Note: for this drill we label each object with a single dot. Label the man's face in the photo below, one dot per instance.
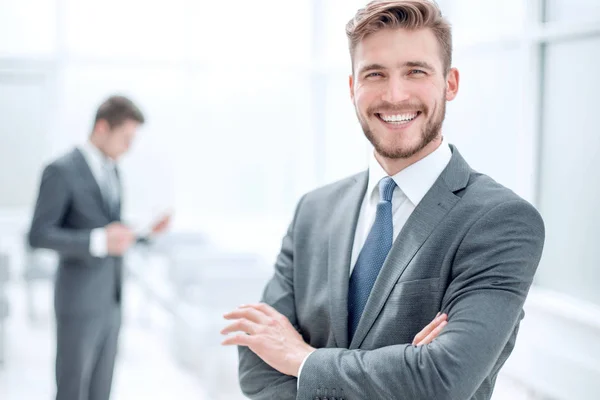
(399, 90)
(117, 140)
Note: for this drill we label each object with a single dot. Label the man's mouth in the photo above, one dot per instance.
(398, 119)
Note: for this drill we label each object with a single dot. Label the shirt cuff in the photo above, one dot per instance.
(300, 370)
(98, 243)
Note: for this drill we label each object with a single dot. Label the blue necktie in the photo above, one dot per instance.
(110, 188)
(371, 257)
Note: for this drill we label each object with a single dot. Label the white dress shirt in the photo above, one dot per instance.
(97, 161)
(412, 184)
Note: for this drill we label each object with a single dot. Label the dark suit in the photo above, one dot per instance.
(470, 249)
(87, 297)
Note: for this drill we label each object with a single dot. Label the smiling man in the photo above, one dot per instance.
(406, 281)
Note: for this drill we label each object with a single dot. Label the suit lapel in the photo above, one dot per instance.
(438, 201)
(89, 181)
(341, 240)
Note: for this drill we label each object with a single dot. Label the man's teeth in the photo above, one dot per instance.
(399, 117)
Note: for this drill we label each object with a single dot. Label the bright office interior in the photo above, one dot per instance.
(247, 107)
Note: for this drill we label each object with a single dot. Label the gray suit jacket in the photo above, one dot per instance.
(69, 206)
(469, 249)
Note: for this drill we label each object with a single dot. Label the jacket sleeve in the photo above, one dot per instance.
(47, 230)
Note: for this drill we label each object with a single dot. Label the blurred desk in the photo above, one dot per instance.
(39, 266)
(196, 282)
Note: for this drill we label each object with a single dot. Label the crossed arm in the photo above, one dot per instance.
(491, 276)
(269, 334)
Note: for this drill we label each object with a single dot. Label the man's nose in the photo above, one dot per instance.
(395, 91)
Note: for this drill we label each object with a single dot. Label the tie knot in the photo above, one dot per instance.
(386, 188)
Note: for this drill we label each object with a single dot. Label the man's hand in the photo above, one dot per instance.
(431, 331)
(270, 335)
(118, 238)
(161, 225)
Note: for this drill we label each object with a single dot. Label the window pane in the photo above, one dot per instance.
(130, 29)
(485, 120)
(246, 33)
(24, 123)
(337, 13)
(572, 10)
(475, 21)
(27, 27)
(248, 149)
(570, 188)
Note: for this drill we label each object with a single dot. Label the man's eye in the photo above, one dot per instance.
(373, 74)
(417, 72)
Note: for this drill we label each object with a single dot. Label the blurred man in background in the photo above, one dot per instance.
(78, 214)
(369, 260)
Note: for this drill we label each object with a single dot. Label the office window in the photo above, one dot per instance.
(485, 121)
(24, 137)
(475, 21)
(243, 34)
(125, 29)
(333, 45)
(27, 28)
(247, 142)
(572, 10)
(569, 190)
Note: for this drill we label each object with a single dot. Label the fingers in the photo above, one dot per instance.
(239, 340)
(248, 313)
(254, 320)
(250, 319)
(429, 328)
(263, 308)
(242, 325)
(434, 333)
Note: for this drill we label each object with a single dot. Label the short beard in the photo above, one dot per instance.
(429, 133)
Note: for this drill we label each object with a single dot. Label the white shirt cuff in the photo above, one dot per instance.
(98, 243)
(300, 370)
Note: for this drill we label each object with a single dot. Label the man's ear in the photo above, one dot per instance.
(102, 127)
(452, 83)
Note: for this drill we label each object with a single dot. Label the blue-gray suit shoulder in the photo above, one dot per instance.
(66, 163)
(484, 193)
(331, 191)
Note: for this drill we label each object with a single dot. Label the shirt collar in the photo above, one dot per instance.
(416, 179)
(95, 156)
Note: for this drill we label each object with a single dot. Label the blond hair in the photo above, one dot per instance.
(407, 14)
